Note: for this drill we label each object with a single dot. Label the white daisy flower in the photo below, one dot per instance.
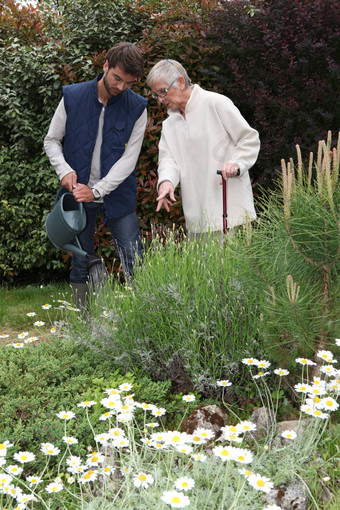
(326, 355)
(39, 324)
(34, 480)
(95, 458)
(102, 438)
(189, 398)
(260, 374)
(175, 499)
(302, 388)
(199, 457)
(328, 369)
(185, 483)
(305, 361)
(183, 448)
(152, 425)
(243, 456)
(70, 440)
(263, 363)
(224, 383)
(22, 335)
(281, 371)
(53, 487)
(143, 480)
(224, 452)
(260, 483)
(250, 361)
(329, 404)
(31, 314)
(66, 415)
(88, 476)
(50, 449)
(18, 345)
(204, 433)
(87, 403)
(125, 386)
(158, 411)
(24, 457)
(13, 469)
(3, 448)
(245, 426)
(288, 434)
(106, 416)
(46, 306)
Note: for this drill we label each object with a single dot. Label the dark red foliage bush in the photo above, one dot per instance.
(281, 67)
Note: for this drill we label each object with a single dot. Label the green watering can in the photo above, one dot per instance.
(66, 220)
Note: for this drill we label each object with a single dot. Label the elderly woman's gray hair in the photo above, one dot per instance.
(168, 70)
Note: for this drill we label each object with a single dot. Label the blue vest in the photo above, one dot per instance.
(83, 110)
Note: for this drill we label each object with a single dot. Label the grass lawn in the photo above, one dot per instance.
(16, 303)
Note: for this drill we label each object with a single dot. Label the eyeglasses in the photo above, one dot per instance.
(164, 92)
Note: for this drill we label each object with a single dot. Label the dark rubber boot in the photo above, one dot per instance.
(80, 293)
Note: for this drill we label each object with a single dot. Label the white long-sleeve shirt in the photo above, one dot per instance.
(193, 148)
(117, 173)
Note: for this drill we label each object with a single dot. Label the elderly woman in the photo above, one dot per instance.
(204, 132)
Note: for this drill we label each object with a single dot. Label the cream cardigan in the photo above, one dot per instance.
(191, 150)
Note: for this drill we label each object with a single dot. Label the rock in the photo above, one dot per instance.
(297, 426)
(209, 417)
(291, 497)
(263, 421)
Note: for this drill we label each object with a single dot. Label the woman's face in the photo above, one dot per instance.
(175, 99)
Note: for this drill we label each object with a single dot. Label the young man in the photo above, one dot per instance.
(102, 123)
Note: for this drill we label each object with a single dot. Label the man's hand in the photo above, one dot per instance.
(166, 188)
(69, 181)
(83, 193)
(229, 169)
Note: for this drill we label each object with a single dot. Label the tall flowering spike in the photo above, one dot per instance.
(293, 290)
(335, 166)
(310, 170)
(287, 175)
(299, 165)
(319, 179)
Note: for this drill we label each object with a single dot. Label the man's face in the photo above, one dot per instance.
(116, 80)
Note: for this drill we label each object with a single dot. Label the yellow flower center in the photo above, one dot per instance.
(248, 473)
(176, 439)
(196, 438)
(241, 458)
(2, 446)
(225, 453)
(260, 483)
(94, 459)
(86, 403)
(142, 478)
(24, 457)
(260, 373)
(185, 484)
(329, 403)
(175, 499)
(88, 474)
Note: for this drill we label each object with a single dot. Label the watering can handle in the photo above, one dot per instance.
(59, 194)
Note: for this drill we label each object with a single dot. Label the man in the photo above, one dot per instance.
(203, 133)
(102, 124)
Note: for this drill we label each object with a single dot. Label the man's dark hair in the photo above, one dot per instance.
(128, 57)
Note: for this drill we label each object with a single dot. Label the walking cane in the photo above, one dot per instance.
(224, 191)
